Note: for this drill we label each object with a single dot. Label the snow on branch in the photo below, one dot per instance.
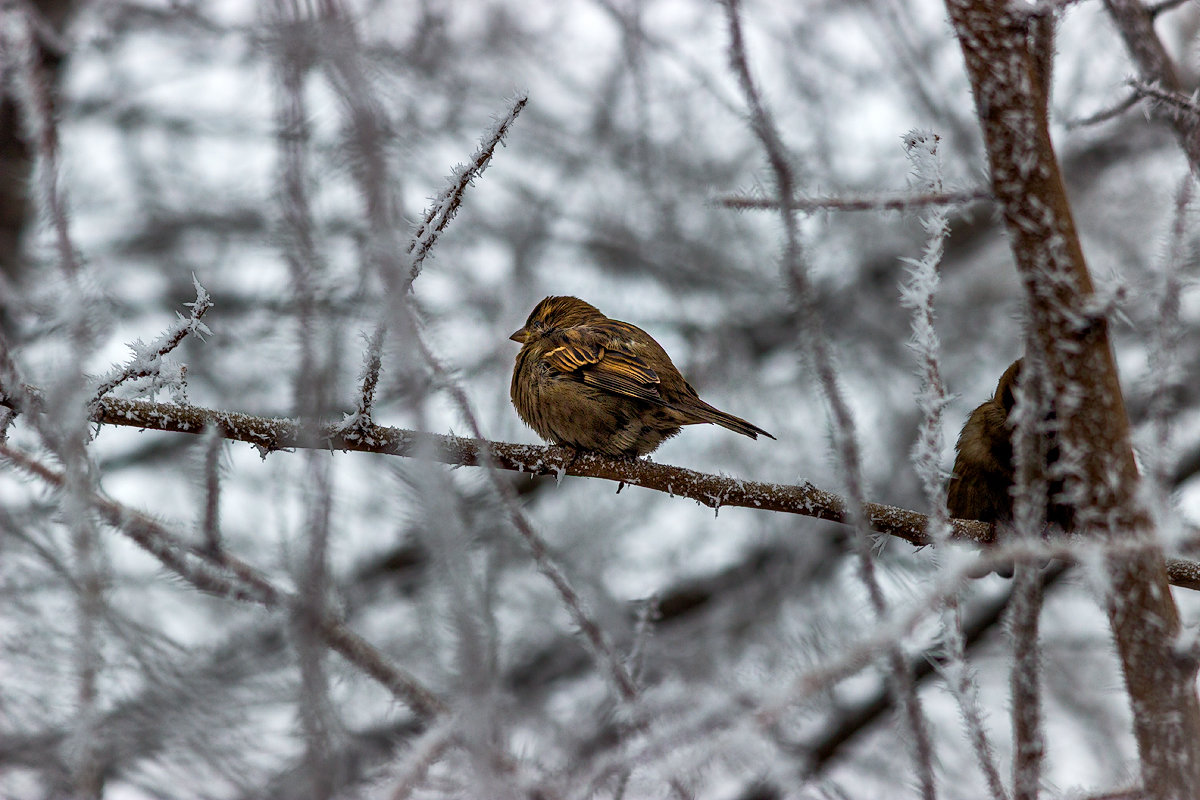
(1177, 103)
(149, 359)
(714, 491)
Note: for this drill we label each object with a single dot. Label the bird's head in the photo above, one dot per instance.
(554, 313)
(1006, 389)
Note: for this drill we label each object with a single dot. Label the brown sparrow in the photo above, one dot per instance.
(593, 383)
(984, 472)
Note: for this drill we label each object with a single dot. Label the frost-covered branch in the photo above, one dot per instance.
(918, 293)
(368, 380)
(1164, 354)
(439, 214)
(900, 201)
(1176, 104)
(1025, 683)
(1105, 114)
(148, 359)
(269, 434)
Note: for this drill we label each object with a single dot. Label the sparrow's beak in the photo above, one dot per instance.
(520, 336)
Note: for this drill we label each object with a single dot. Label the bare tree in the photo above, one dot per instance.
(340, 210)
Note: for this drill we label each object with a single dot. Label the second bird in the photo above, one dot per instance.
(593, 383)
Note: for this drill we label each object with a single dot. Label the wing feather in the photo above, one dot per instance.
(605, 367)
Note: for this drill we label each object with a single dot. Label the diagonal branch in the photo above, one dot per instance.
(1134, 20)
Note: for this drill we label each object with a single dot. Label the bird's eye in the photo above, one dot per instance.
(537, 325)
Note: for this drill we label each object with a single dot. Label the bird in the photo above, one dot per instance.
(981, 486)
(597, 384)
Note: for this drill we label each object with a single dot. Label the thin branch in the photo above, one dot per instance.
(1025, 683)
(845, 435)
(1112, 112)
(147, 360)
(1176, 103)
(211, 525)
(900, 201)
(1135, 23)
(1164, 354)
(919, 293)
(439, 214)
(369, 380)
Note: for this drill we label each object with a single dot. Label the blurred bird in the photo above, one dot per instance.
(984, 473)
(981, 487)
(593, 383)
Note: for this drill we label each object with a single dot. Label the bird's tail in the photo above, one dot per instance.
(703, 412)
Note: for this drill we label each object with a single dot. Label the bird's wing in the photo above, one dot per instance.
(604, 366)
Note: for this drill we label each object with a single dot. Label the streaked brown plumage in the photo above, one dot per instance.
(593, 383)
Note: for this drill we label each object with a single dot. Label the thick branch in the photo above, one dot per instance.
(714, 491)
(1071, 334)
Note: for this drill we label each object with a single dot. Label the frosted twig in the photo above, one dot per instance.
(422, 755)
(1025, 682)
(369, 381)
(1031, 417)
(147, 360)
(813, 334)
(439, 214)
(1116, 110)
(1158, 73)
(919, 293)
(1177, 103)
(1167, 335)
(901, 201)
